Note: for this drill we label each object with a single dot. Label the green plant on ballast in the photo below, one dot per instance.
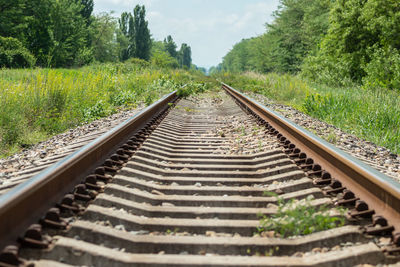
(191, 88)
(299, 218)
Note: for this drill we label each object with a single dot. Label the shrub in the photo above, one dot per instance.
(122, 98)
(137, 61)
(14, 55)
(164, 60)
(383, 71)
(191, 88)
(327, 69)
(84, 57)
(97, 111)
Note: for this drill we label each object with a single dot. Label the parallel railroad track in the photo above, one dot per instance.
(183, 186)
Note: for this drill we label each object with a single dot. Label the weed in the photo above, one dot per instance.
(243, 130)
(299, 218)
(95, 112)
(172, 232)
(187, 109)
(331, 137)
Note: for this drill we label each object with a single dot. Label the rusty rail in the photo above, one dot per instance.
(380, 192)
(26, 203)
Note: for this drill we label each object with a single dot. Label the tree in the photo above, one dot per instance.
(170, 46)
(68, 33)
(104, 42)
(123, 37)
(86, 10)
(295, 33)
(134, 29)
(163, 59)
(38, 33)
(141, 34)
(238, 58)
(360, 32)
(12, 19)
(185, 56)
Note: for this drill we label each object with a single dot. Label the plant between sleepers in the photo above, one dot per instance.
(299, 217)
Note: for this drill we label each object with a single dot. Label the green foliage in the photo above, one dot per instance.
(185, 56)
(170, 46)
(337, 43)
(11, 125)
(164, 60)
(122, 98)
(299, 218)
(64, 33)
(383, 71)
(14, 55)
(141, 33)
(97, 111)
(191, 88)
(135, 40)
(359, 32)
(86, 9)
(282, 87)
(138, 62)
(295, 33)
(68, 33)
(238, 59)
(103, 40)
(12, 22)
(38, 35)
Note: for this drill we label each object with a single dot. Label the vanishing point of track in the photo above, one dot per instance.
(181, 184)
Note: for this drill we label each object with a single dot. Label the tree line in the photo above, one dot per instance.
(66, 33)
(337, 42)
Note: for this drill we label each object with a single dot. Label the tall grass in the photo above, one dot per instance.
(38, 103)
(368, 113)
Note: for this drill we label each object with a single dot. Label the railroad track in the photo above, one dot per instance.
(182, 185)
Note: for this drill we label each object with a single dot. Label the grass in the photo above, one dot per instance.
(299, 218)
(370, 114)
(38, 103)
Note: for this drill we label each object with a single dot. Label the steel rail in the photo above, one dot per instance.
(380, 192)
(32, 198)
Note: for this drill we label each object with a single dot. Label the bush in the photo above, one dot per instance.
(14, 55)
(327, 69)
(97, 111)
(164, 60)
(191, 88)
(84, 57)
(122, 98)
(383, 71)
(137, 61)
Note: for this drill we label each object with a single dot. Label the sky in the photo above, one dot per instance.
(209, 27)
